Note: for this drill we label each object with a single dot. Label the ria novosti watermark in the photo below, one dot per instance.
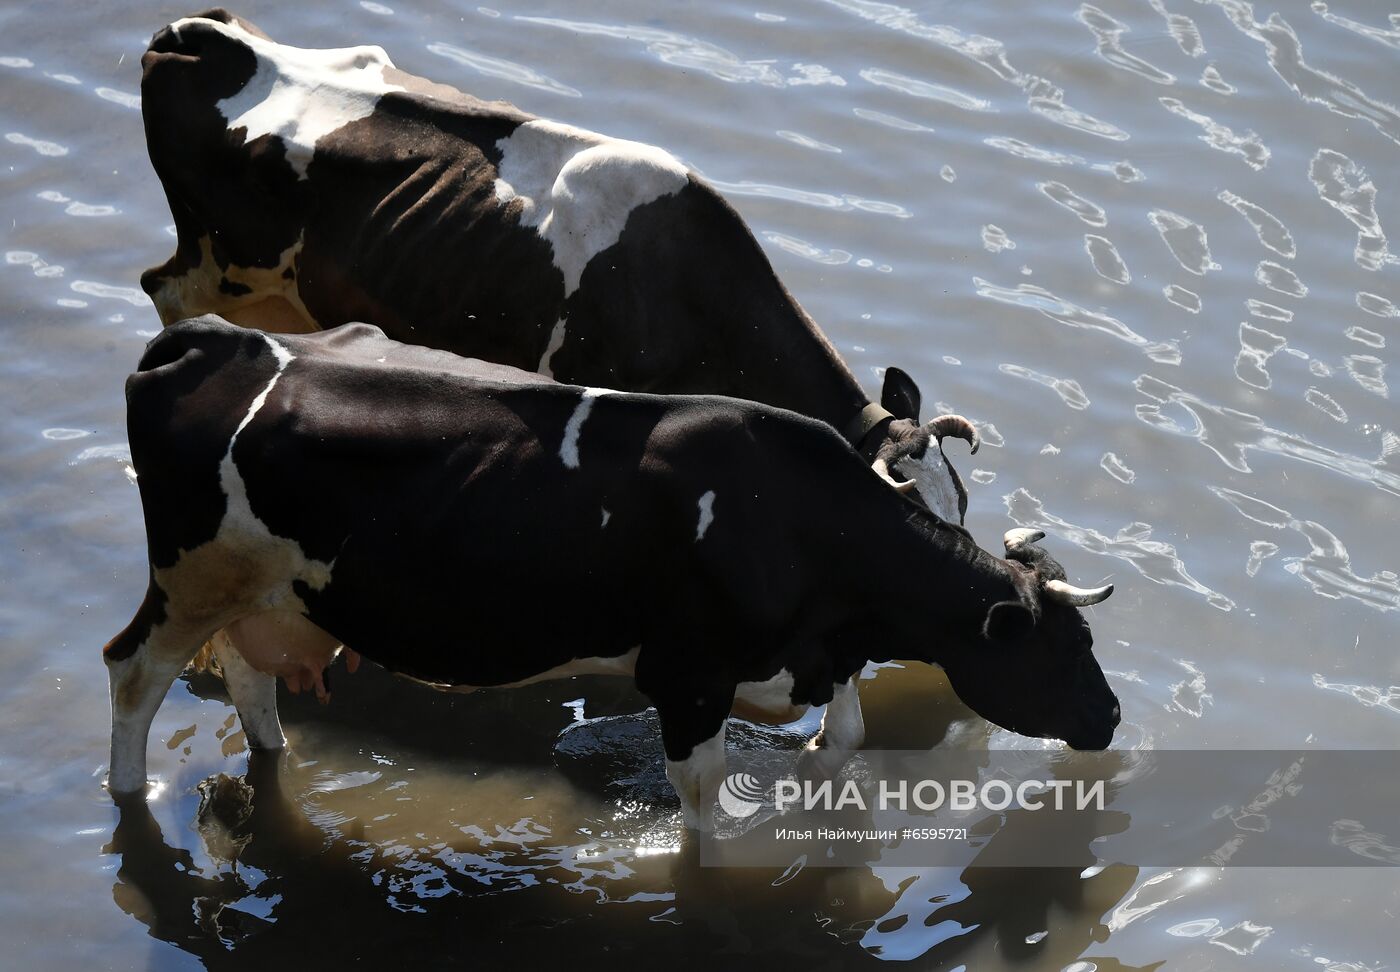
(964, 795)
(1062, 809)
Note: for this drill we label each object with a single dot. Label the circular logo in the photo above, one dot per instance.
(740, 795)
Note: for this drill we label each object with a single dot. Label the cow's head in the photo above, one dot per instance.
(915, 451)
(232, 120)
(1033, 670)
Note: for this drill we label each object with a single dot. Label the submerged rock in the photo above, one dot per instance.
(621, 755)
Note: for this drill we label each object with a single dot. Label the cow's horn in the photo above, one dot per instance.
(1015, 539)
(1063, 593)
(883, 471)
(959, 428)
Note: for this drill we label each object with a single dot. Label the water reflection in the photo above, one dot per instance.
(1182, 29)
(1271, 232)
(1327, 566)
(495, 67)
(1343, 185)
(1107, 261)
(925, 89)
(1231, 434)
(1072, 315)
(1285, 55)
(690, 53)
(1248, 146)
(1067, 388)
(271, 870)
(1156, 560)
(1108, 34)
(1063, 195)
(40, 145)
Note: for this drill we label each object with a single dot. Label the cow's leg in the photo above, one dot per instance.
(254, 694)
(842, 731)
(693, 717)
(142, 662)
(696, 777)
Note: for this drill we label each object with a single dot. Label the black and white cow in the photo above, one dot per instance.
(502, 528)
(314, 187)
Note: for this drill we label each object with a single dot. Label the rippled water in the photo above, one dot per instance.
(1143, 244)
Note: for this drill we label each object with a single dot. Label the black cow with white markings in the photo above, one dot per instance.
(472, 525)
(314, 187)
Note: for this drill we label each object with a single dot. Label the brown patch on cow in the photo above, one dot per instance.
(213, 583)
(262, 297)
(221, 581)
(130, 689)
(276, 315)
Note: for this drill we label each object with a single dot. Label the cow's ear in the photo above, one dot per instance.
(900, 396)
(1008, 621)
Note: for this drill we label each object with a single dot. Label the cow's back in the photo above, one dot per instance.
(461, 224)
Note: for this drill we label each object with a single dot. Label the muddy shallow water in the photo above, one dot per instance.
(1142, 244)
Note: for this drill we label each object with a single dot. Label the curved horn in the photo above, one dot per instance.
(959, 428)
(1020, 537)
(1063, 593)
(883, 471)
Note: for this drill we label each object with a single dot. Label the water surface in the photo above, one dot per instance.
(1143, 244)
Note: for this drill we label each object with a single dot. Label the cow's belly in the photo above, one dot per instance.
(768, 702)
(289, 646)
(615, 665)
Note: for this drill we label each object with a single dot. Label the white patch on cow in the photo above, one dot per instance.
(284, 358)
(556, 341)
(606, 516)
(707, 514)
(239, 518)
(568, 449)
(138, 685)
(577, 188)
(768, 701)
(697, 779)
(843, 731)
(774, 693)
(933, 481)
(266, 565)
(843, 726)
(301, 94)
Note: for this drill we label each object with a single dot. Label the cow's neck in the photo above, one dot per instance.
(936, 587)
(791, 364)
